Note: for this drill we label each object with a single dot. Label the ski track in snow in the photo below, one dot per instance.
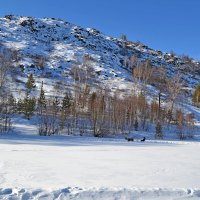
(100, 194)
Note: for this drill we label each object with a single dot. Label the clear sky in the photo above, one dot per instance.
(161, 24)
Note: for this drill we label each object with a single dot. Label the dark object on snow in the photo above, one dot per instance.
(129, 139)
(143, 140)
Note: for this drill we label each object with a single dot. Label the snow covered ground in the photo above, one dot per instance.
(66, 167)
(33, 167)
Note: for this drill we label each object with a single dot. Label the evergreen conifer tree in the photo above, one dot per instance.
(30, 84)
(28, 106)
(42, 99)
(66, 104)
(42, 113)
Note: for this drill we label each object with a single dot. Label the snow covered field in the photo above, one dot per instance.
(33, 167)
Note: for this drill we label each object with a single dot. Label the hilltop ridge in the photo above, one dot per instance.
(49, 48)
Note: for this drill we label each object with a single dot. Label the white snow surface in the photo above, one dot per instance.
(69, 167)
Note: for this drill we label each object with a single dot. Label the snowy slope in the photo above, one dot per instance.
(89, 168)
(62, 45)
(33, 167)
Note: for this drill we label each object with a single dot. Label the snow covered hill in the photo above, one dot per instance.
(37, 167)
(49, 48)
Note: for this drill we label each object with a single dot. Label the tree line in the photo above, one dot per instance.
(96, 113)
(86, 110)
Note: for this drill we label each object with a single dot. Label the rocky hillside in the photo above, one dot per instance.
(51, 49)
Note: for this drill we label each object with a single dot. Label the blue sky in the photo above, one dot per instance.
(161, 24)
